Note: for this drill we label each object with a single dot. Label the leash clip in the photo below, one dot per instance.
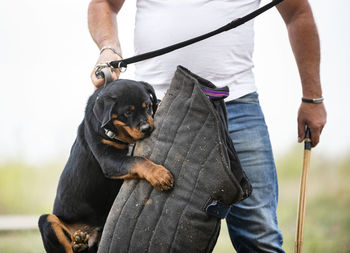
(99, 67)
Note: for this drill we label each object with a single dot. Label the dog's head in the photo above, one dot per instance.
(127, 107)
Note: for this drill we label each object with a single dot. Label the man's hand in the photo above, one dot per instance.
(315, 117)
(106, 56)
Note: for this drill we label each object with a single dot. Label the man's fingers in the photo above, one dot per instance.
(115, 74)
(315, 136)
(315, 117)
(97, 82)
(100, 82)
(315, 133)
(106, 56)
(301, 131)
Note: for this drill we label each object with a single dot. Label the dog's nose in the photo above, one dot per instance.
(145, 127)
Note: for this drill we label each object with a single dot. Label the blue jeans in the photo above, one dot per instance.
(252, 223)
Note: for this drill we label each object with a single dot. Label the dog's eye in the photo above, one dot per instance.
(127, 114)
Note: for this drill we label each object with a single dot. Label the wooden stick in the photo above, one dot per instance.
(302, 195)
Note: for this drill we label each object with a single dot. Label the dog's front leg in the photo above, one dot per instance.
(127, 167)
(158, 176)
(116, 165)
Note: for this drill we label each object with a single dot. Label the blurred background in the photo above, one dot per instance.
(46, 59)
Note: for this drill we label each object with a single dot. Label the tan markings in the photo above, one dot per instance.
(123, 136)
(138, 170)
(158, 176)
(127, 176)
(58, 228)
(114, 144)
(124, 130)
(143, 105)
(118, 123)
(135, 133)
(132, 108)
(122, 133)
(93, 232)
(150, 122)
(114, 116)
(53, 218)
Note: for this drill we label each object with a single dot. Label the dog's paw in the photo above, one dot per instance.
(160, 178)
(80, 241)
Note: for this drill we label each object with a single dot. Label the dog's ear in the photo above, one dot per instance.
(103, 109)
(152, 95)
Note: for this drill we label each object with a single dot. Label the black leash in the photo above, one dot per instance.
(237, 22)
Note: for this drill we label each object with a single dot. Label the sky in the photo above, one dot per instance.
(47, 54)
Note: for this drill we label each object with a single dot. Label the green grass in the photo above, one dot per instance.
(21, 242)
(29, 190)
(327, 222)
(26, 189)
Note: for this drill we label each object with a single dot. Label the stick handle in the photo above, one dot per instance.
(302, 194)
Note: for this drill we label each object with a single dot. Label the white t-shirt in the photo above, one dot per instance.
(225, 59)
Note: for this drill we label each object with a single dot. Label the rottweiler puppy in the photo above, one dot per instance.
(116, 116)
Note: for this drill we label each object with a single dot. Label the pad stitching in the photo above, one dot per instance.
(132, 234)
(179, 174)
(193, 189)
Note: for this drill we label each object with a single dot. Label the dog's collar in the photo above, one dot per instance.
(114, 136)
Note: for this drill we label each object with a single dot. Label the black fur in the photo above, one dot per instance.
(86, 190)
(51, 243)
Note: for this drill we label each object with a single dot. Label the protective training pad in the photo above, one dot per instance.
(191, 140)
